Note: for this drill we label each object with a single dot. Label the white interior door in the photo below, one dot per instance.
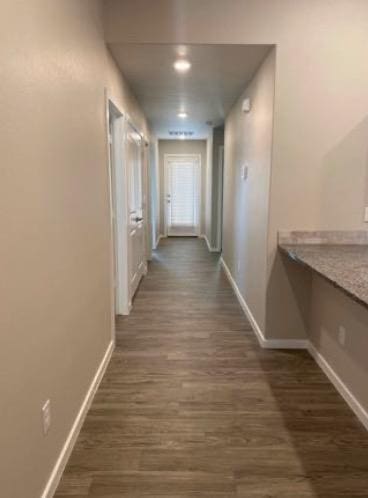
(183, 187)
(135, 226)
(118, 207)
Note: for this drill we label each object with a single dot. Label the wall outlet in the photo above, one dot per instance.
(366, 214)
(342, 335)
(46, 417)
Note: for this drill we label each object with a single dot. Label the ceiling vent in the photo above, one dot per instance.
(175, 133)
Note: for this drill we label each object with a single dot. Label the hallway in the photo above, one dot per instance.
(191, 406)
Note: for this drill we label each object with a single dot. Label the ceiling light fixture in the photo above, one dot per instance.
(182, 65)
(182, 115)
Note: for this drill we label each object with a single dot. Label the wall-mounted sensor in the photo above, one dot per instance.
(246, 105)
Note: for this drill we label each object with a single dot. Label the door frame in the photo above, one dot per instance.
(118, 204)
(220, 196)
(167, 158)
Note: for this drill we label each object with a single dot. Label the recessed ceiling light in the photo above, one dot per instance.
(182, 115)
(182, 65)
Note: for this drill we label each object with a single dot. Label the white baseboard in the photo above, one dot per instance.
(286, 343)
(210, 248)
(344, 391)
(264, 343)
(65, 453)
(158, 241)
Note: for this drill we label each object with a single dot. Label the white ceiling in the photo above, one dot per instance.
(218, 75)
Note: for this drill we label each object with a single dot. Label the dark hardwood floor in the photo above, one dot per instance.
(192, 407)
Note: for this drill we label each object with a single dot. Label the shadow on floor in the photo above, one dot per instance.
(329, 441)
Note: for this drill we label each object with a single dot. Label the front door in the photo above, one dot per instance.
(183, 174)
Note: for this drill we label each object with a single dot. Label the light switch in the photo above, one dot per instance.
(366, 214)
(244, 172)
(246, 105)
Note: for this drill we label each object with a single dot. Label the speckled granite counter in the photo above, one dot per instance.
(344, 265)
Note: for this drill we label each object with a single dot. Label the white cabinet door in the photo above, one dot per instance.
(183, 175)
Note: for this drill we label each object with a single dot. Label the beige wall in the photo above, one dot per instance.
(121, 94)
(55, 284)
(331, 309)
(182, 147)
(248, 140)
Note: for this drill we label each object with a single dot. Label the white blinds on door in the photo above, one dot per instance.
(183, 197)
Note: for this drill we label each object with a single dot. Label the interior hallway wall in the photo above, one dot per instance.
(331, 309)
(182, 147)
(55, 288)
(248, 141)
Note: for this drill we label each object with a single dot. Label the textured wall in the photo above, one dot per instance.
(248, 141)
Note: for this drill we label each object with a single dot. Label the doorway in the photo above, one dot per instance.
(182, 195)
(128, 185)
(118, 201)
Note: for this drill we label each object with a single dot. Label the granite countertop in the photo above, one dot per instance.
(345, 266)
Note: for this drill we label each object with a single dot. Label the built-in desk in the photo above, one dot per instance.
(344, 265)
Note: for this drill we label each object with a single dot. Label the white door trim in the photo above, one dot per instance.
(118, 200)
(220, 198)
(167, 158)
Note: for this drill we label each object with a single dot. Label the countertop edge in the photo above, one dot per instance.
(294, 257)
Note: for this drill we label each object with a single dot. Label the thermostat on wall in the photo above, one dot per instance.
(246, 105)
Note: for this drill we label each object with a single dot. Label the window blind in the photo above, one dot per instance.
(183, 196)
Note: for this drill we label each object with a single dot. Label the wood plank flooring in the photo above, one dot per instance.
(191, 407)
